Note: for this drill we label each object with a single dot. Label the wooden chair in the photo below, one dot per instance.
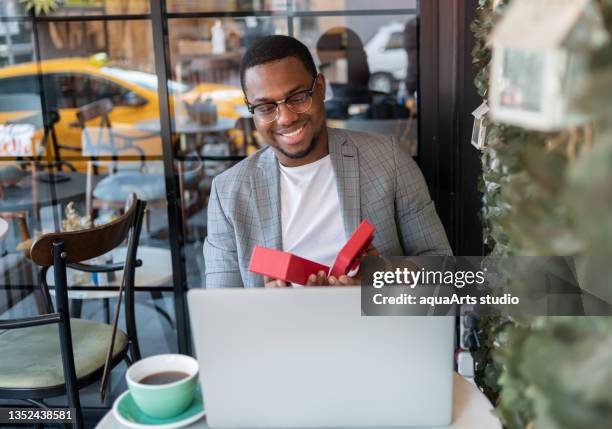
(110, 192)
(35, 361)
(106, 140)
(100, 140)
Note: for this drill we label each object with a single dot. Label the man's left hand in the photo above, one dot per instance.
(344, 281)
(356, 279)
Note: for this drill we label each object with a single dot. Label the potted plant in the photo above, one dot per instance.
(40, 6)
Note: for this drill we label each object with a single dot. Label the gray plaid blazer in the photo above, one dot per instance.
(377, 181)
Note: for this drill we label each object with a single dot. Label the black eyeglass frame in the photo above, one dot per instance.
(277, 103)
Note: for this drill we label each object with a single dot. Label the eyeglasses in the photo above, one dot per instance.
(298, 102)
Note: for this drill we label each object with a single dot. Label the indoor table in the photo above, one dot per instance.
(191, 132)
(471, 409)
(188, 127)
(26, 194)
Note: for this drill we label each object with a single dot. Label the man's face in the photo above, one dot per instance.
(294, 136)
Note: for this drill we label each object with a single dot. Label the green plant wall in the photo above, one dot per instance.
(548, 194)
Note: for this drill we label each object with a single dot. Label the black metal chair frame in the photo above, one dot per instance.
(61, 316)
(101, 109)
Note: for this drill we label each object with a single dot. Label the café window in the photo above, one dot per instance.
(74, 91)
(28, 84)
(367, 52)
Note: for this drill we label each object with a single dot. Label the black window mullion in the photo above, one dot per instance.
(175, 222)
(289, 7)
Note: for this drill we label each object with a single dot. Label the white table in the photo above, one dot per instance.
(221, 125)
(471, 409)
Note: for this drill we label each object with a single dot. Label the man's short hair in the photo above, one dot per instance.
(273, 48)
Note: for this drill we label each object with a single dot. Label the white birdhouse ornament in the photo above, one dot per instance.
(479, 131)
(540, 64)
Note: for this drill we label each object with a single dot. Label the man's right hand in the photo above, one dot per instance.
(270, 282)
(319, 279)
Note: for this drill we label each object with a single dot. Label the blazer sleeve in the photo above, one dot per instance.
(220, 254)
(421, 231)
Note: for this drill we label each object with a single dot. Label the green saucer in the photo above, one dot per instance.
(127, 413)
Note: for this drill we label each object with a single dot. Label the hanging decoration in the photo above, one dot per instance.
(479, 130)
(541, 62)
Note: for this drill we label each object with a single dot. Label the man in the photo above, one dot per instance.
(311, 187)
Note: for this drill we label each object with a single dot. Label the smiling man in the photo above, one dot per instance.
(311, 187)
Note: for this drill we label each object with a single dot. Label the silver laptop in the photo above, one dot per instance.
(306, 358)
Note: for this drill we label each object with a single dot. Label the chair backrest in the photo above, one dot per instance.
(85, 244)
(98, 109)
(98, 140)
(70, 249)
(99, 136)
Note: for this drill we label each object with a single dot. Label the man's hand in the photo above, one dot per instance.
(270, 282)
(345, 281)
(320, 279)
(356, 279)
(371, 251)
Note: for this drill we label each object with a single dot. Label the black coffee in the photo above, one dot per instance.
(165, 377)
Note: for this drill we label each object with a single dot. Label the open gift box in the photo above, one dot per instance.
(294, 269)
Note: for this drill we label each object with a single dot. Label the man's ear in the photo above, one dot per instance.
(322, 85)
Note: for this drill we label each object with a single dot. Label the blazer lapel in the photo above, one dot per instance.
(266, 190)
(345, 161)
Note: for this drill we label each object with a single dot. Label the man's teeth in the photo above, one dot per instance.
(294, 133)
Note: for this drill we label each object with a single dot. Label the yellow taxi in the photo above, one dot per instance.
(72, 83)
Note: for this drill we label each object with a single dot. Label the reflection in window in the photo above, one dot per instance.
(210, 118)
(333, 5)
(198, 56)
(205, 57)
(177, 6)
(111, 64)
(371, 68)
(16, 42)
(396, 41)
(9, 8)
(126, 44)
(73, 91)
(101, 7)
(366, 65)
(27, 84)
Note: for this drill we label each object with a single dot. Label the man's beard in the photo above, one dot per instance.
(302, 153)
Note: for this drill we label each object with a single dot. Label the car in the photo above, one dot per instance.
(74, 82)
(387, 57)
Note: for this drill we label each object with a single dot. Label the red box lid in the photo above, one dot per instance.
(282, 265)
(349, 257)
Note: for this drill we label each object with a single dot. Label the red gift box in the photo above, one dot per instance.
(282, 265)
(291, 268)
(350, 255)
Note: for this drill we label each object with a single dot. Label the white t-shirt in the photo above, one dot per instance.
(311, 219)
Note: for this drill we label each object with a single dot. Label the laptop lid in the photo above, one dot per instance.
(289, 358)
